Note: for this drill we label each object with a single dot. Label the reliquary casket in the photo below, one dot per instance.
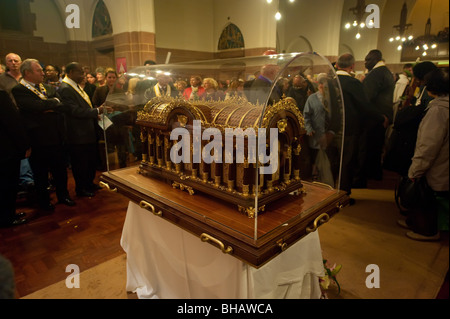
(232, 171)
(207, 166)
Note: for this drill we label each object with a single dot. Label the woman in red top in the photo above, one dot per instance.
(195, 90)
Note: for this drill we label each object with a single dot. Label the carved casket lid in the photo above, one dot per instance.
(232, 113)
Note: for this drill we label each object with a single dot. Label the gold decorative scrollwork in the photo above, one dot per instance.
(183, 120)
(250, 211)
(282, 124)
(183, 187)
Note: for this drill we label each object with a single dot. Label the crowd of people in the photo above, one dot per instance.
(50, 118)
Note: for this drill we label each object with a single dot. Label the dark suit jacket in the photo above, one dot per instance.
(42, 118)
(356, 105)
(90, 89)
(299, 95)
(81, 119)
(379, 85)
(260, 91)
(13, 138)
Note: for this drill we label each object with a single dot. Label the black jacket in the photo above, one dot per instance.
(42, 119)
(260, 90)
(81, 119)
(13, 138)
(356, 104)
(379, 86)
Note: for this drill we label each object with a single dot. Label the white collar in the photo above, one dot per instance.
(342, 72)
(379, 64)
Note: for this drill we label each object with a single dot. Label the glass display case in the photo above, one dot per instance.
(244, 153)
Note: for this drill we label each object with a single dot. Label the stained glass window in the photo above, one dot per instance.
(102, 21)
(231, 38)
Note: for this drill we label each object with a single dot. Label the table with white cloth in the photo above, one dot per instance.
(167, 262)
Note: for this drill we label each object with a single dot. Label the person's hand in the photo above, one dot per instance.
(105, 109)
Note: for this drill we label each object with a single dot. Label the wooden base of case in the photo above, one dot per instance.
(255, 241)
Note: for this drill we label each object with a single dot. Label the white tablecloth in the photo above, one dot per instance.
(166, 262)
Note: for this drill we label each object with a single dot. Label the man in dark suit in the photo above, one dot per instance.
(261, 89)
(379, 86)
(357, 109)
(13, 145)
(81, 122)
(300, 90)
(44, 123)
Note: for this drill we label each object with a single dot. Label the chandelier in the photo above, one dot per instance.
(359, 12)
(425, 42)
(401, 28)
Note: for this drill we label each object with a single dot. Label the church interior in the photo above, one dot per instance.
(124, 35)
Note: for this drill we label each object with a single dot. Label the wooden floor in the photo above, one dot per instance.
(86, 235)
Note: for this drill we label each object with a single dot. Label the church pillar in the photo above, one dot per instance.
(133, 31)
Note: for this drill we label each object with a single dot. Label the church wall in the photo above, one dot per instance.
(177, 20)
(150, 29)
(310, 25)
(255, 19)
(49, 23)
(179, 27)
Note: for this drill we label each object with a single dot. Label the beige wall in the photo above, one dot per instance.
(190, 30)
(310, 25)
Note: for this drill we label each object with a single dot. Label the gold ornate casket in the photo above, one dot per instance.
(197, 175)
(232, 181)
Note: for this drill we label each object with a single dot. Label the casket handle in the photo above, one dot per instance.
(322, 219)
(148, 206)
(207, 238)
(105, 185)
(282, 245)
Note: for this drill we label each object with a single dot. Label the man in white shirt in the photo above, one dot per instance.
(403, 82)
